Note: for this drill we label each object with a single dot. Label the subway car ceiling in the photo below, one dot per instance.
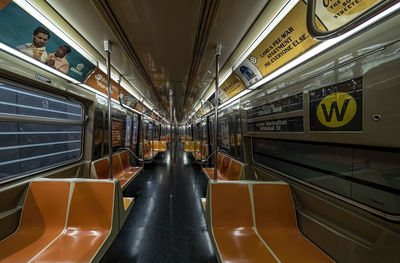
(160, 45)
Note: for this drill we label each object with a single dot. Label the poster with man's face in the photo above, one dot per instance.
(24, 33)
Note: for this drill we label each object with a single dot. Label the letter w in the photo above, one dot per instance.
(334, 107)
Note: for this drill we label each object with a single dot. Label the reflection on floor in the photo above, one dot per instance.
(166, 223)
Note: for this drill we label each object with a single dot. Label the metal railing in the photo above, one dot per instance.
(325, 35)
(134, 155)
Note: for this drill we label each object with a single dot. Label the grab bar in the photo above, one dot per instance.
(134, 155)
(325, 35)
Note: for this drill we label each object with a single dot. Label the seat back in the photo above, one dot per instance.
(45, 205)
(186, 146)
(117, 165)
(163, 145)
(235, 170)
(124, 156)
(159, 147)
(219, 161)
(230, 205)
(102, 168)
(89, 200)
(226, 163)
(197, 146)
(273, 206)
(192, 145)
(43, 218)
(204, 150)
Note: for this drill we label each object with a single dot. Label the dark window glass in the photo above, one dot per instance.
(28, 147)
(367, 175)
(15, 100)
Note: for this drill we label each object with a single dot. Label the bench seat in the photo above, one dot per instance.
(227, 169)
(122, 170)
(148, 153)
(188, 146)
(42, 220)
(201, 156)
(256, 222)
(159, 146)
(86, 231)
(66, 220)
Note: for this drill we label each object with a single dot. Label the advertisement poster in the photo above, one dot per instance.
(336, 13)
(116, 132)
(286, 41)
(128, 131)
(224, 129)
(99, 81)
(211, 100)
(231, 86)
(24, 33)
(248, 73)
(337, 107)
(140, 107)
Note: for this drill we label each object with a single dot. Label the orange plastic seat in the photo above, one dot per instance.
(276, 224)
(232, 225)
(124, 176)
(86, 230)
(201, 155)
(163, 145)
(117, 165)
(42, 221)
(102, 168)
(148, 154)
(228, 169)
(234, 171)
(208, 170)
(226, 163)
(126, 165)
(232, 218)
(125, 160)
(122, 171)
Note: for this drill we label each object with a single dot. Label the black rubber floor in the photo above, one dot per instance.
(166, 223)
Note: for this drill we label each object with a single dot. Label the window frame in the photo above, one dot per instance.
(6, 117)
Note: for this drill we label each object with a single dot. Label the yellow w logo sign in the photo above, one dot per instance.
(336, 109)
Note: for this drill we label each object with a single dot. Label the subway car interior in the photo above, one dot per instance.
(200, 131)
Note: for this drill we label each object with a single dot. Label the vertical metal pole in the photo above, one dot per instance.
(218, 53)
(175, 137)
(152, 136)
(143, 135)
(107, 49)
(201, 141)
(171, 145)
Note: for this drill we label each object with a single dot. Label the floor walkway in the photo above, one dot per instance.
(166, 223)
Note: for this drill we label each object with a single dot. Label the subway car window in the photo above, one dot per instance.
(44, 137)
(99, 126)
(366, 175)
(128, 131)
(238, 136)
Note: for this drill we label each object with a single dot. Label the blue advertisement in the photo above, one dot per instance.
(21, 31)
